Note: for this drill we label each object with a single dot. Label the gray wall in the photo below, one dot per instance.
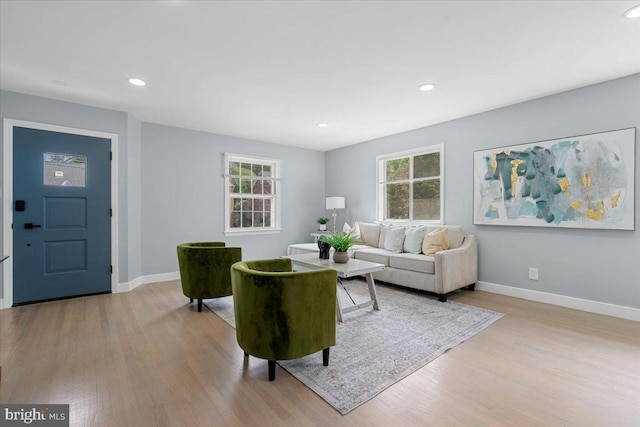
(134, 196)
(597, 265)
(171, 186)
(183, 194)
(43, 110)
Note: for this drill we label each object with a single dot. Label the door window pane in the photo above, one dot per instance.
(65, 170)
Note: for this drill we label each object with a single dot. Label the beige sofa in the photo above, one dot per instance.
(444, 272)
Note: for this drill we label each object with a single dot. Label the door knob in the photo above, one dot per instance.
(30, 226)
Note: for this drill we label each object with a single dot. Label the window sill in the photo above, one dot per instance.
(407, 222)
(252, 232)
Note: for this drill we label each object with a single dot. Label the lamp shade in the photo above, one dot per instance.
(335, 202)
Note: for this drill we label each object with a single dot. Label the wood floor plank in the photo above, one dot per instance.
(148, 358)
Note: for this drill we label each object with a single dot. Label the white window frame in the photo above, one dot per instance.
(381, 183)
(276, 168)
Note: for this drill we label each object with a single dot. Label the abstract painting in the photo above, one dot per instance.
(577, 182)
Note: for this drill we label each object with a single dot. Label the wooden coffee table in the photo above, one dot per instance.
(355, 267)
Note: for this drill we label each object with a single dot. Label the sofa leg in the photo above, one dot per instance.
(272, 370)
(199, 304)
(190, 300)
(442, 297)
(246, 354)
(325, 356)
(472, 287)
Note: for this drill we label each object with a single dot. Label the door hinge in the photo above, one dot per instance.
(111, 212)
(110, 155)
(111, 269)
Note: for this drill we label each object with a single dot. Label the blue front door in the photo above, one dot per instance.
(61, 215)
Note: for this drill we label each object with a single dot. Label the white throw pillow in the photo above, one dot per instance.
(394, 239)
(383, 235)
(355, 232)
(413, 239)
(456, 236)
(369, 233)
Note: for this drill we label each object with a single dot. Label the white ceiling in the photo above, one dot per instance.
(272, 71)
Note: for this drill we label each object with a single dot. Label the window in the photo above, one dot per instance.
(65, 170)
(252, 194)
(410, 185)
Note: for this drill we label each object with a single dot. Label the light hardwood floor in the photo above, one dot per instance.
(147, 358)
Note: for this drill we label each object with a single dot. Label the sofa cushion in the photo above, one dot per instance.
(378, 255)
(413, 262)
(435, 241)
(455, 232)
(413, 239)
(394, 239)
(369, 233)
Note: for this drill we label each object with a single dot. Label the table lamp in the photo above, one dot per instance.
(334, 203)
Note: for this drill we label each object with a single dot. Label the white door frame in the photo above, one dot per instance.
(7, 198)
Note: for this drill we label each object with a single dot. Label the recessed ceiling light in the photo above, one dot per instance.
(427, 87)
(634, 12)
(322, 125)
(137, 82)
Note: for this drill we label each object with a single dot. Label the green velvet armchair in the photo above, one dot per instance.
(281, 314)
(205, 269)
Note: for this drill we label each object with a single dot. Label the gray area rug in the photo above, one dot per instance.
(376, 349)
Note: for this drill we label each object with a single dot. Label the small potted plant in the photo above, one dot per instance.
(341, 243)
(322, 221)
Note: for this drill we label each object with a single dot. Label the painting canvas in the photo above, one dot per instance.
(577, 182)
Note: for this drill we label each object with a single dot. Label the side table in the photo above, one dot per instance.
(317, 234)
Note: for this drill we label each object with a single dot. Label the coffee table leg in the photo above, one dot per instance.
(338, 308)
(372, 291)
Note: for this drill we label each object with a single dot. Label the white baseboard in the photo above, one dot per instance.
(544, 297)
(563, 301)
(143, 280)
(129, 286)
(163, 277)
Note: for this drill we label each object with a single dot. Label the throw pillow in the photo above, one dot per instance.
(383, 235)
(456, 236)
(369, 233)
(436, 241)
(413, 239)
(394, 239)
(455, 232)
(355, 232)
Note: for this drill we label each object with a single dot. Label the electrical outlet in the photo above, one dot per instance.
(533, 273)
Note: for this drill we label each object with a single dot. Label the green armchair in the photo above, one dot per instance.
(281, 314)
(205, 269)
